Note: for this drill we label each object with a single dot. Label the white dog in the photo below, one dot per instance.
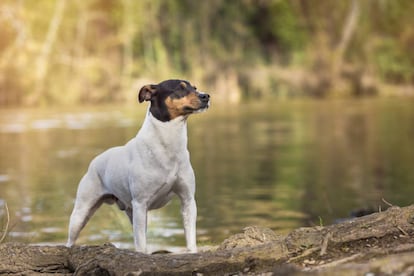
(146, 172)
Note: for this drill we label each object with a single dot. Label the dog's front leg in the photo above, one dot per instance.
(185, 190)
(139, 222)
(189, 213)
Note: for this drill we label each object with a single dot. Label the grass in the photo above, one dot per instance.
(7, 223)
(320, 221)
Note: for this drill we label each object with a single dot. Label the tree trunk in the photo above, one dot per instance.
(347, 32)
(42, 61)
(127, 42)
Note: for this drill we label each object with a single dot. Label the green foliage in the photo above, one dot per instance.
(95, 50)
(393, 63)
(276, 24)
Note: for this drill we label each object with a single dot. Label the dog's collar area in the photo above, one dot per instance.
(166, 119)
(160, 114)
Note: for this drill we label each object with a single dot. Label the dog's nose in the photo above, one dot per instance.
(204, 96)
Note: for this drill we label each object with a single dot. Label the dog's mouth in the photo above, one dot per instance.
(203, 107)
(205, 104)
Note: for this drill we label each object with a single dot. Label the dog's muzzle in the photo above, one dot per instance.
(205, 100)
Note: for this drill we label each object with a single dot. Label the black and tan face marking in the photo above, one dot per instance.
(173, 98)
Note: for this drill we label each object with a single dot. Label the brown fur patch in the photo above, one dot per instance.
(182, 106)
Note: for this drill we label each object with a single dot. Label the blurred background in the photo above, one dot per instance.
(67, 52)
(312, 116)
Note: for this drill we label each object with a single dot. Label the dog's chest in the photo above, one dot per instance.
(157, 176)
(160, 153)
(162, 189)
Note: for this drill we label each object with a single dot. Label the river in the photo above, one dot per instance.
(282, 164)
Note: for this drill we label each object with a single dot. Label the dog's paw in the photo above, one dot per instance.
(191, 250)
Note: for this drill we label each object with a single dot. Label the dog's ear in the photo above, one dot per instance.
(147, 92)
(183, 85)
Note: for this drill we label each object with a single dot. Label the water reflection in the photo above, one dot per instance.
(279, 165)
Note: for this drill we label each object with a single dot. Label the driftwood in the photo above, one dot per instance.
(349, 247)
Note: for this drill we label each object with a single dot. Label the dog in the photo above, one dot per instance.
(147, 171)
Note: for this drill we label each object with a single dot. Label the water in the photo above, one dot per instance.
(277, 164)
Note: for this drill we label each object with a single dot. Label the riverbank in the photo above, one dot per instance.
(381, 243)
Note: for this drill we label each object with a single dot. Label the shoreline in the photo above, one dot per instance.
(381, 243)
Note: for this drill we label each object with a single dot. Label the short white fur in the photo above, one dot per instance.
(142, 175)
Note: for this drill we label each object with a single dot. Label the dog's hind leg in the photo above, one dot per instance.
(86, 204)
(81, 214)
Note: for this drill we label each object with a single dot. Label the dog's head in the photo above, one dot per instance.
(173, 98)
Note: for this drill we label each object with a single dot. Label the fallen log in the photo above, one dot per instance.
(318, 250)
